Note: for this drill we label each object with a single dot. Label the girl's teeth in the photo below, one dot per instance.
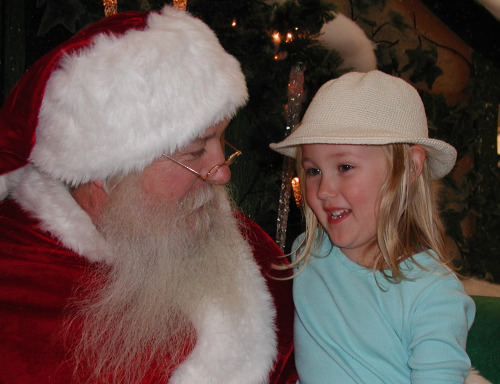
(338, 214)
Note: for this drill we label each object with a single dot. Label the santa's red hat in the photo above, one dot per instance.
(117, 95)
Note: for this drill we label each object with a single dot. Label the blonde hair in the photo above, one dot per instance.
(408, 220)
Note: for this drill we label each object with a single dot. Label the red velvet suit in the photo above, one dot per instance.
(37, 278)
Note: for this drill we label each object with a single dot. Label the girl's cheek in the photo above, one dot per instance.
(310, 194)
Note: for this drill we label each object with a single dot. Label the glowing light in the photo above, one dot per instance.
(181, 4)
(110, 7)
(289, 37)
(233, 24)
(296, 191)
(276, 38)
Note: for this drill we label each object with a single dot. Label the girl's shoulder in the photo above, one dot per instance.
(428, 259)
(426, 265)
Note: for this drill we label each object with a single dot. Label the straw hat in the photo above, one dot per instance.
(370, 108)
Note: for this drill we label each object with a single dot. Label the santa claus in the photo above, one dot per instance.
(121, 257)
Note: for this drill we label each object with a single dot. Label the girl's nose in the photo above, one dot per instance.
(327, 188)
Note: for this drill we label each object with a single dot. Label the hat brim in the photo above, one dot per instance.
(440, 155)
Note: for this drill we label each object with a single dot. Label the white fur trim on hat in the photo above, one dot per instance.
(347, 38)
(119, 104)
(370, 108)
(51, 202)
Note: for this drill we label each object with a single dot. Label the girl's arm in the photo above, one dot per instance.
(438, 330)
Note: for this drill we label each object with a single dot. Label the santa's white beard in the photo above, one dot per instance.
(170, 262)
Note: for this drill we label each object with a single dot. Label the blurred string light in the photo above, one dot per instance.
(110, 7)
(292, 115)
(296, 191)
(181, 4)
(277, 39)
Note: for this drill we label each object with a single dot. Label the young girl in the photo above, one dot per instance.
(376, 298)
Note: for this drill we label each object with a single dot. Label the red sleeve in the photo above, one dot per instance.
(37, 277)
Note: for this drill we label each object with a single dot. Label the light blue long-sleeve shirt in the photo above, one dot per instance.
(348, 329)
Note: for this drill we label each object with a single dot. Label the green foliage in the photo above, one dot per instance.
(472, 197)
(364, 7)
(64, 12)
(399, 22)
(423, 64)
(306, 15)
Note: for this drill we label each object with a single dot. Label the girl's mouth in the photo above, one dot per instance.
(339, 213)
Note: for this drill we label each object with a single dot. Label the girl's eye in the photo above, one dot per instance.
(313, 172)
(345, 167)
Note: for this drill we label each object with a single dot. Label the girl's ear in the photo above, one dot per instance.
(417, 160)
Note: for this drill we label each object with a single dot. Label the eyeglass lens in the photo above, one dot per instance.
(230, 160)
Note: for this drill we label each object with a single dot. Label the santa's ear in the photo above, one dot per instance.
(91, 196)
(417, 160)
(98, 194)
(98, 185)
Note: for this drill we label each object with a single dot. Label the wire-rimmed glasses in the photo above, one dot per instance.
(215, 168)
